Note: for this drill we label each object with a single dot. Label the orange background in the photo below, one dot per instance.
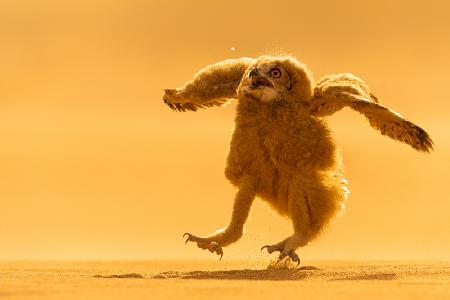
(94, 166)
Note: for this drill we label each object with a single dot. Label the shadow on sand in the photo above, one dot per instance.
(272, 274)
(129, 275)
(246, 274)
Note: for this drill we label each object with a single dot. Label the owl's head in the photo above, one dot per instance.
(270, 79)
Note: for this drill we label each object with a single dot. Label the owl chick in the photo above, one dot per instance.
(281, 150)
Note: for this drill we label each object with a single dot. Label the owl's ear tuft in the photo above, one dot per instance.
(213, 85)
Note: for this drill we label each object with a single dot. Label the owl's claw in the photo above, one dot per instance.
(205, 243)
(292, 255)
(283, 252)
(272, 248)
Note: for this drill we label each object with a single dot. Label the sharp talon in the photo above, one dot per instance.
(188, 237)
(204, 243)
(294, 257)
(263, 247)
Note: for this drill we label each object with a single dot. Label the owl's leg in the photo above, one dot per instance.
(300, 214)
(231, 233)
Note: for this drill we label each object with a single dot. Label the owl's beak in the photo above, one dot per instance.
(258, 80)
(253, 73)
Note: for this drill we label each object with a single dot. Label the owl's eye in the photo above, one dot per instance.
(275, 72)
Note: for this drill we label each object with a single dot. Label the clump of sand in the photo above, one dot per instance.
(287, 264)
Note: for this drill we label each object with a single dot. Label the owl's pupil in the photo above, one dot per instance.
(275, 73)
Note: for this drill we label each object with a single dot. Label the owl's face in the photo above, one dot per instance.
(275, 79)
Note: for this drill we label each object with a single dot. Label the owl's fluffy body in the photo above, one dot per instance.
(281, 149)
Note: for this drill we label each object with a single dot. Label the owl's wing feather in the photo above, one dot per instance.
(214, 85)
(345, 90)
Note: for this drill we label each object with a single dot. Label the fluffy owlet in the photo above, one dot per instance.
(281, 150)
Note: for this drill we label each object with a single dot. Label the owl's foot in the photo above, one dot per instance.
(284, 251)
(205, 243)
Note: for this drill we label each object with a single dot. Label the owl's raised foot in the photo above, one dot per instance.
(284, 252)
(205, 243)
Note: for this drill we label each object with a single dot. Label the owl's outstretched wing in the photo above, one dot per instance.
(334, 92)
(214, 85)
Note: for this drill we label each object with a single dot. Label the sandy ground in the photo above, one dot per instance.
(224, 280)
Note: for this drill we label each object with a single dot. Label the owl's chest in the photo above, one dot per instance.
(285, 137)
(271, 137)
